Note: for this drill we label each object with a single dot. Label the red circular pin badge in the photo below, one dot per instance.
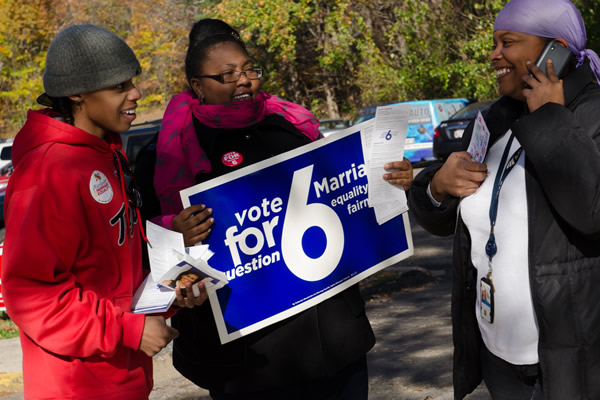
(232, 159)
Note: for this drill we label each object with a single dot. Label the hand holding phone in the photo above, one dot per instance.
(547, 88)
(560, 55)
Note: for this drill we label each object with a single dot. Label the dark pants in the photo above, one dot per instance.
(506, 381)
(351, 383)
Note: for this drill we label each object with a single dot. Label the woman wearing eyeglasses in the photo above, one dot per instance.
(224, 123)
(72, 258)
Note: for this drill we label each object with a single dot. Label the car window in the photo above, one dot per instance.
(364, 118)
(135, 144)
(332, 124)
(470, 111)
(137, 137)
(6, 153)
(8, 168)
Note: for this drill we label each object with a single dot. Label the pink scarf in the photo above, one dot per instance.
(179, 157)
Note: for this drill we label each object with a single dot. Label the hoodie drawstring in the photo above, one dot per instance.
(116, 151)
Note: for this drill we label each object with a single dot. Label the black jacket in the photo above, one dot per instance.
(562, 177)
(314, 344)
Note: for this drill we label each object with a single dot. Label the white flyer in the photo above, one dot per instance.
(386, 211)
(479, 140)
(172, 264)
(387, 145)
(366, 137)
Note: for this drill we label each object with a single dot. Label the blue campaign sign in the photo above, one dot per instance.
(294, 230)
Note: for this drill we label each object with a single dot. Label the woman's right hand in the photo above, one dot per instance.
(194, 223)
(190, 300)
(460, 176)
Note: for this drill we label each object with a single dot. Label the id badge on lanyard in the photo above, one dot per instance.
(487, 289)
(487, 299)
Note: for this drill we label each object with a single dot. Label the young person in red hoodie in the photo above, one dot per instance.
(73, 236)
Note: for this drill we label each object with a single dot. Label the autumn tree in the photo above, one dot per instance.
(309, 48)
(155, 30)
(337, 56)
(25, 32)
(333, 56)
(590, 11)
(427, 49)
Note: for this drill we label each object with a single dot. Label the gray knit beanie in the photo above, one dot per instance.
(85, 58)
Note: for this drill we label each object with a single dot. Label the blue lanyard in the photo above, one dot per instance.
(490, 248)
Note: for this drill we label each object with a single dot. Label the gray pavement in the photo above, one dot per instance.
(409, 308)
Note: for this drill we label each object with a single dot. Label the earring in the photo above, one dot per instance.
(201, 100)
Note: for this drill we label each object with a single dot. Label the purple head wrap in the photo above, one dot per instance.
(549, 19)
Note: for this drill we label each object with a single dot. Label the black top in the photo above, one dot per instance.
(311, 345)
(562, 171)
(272, 136)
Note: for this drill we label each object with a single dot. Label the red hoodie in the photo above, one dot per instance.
(71, 265)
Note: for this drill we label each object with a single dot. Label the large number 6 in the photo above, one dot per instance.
(299, 217)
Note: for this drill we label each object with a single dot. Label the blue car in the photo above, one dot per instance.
(425, 116)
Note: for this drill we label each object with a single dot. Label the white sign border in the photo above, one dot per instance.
(213, 298)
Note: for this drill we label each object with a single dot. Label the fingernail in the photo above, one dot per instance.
(528, 62)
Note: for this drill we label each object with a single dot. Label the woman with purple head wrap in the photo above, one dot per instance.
(549, 19)
(525, 302)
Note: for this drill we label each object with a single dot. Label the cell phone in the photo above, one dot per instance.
(560, 55)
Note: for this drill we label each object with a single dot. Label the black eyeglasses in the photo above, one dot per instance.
(234, 76)
(133, 192)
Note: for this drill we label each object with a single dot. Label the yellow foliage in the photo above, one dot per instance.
(155, 29)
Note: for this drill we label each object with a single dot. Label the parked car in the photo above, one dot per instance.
(447, 137)
(5, 151)
(133, 140)
(329, 126)
(138, 136)
(425, 115)
(5, 173)
(367, 113)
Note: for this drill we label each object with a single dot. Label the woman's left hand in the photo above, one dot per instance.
(542, 89)
(403, 174)
(190, 300)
